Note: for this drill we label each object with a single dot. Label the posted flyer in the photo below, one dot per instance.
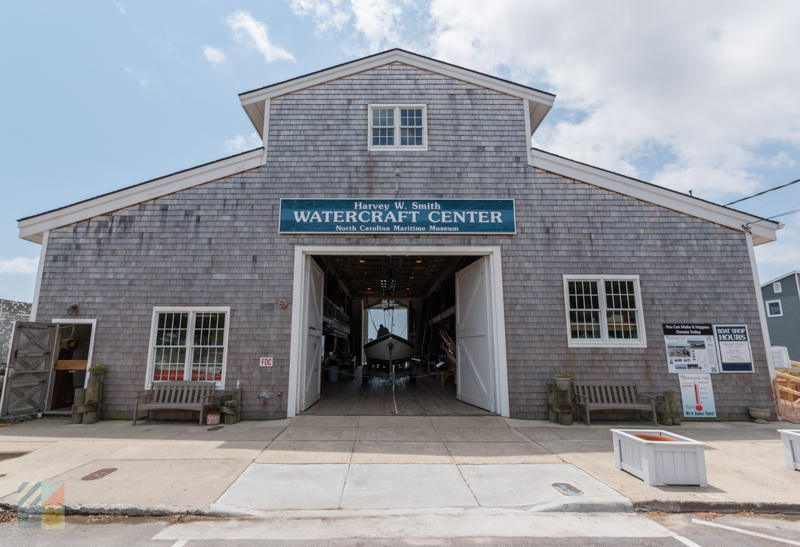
(733, 342)
(690, 347)
(697, 396)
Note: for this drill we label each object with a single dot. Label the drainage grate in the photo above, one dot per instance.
(215, 428)
(99, 474)
(567, 489)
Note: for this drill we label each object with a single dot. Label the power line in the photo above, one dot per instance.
(793, 211)
(762, 193)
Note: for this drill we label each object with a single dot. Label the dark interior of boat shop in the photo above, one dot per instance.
(408, 302)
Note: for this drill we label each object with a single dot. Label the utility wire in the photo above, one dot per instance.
(793, 211)
(762, 193)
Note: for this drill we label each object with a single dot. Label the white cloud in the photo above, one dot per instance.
(240, 143)
(214, 55)
(119, 7)
(19, 265)
(244, 25)
(140, 76)
(378, 21)
(680, 93)
(327, 14)
(779, 257)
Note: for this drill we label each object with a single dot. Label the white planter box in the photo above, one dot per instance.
(791, 447)
(660, 462)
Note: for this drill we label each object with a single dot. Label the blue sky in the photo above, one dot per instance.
(100, 95)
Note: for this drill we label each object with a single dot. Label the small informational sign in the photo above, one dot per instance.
(690, 347)
(733, 343)
(392, 216)
(697, 396)
(265, 362)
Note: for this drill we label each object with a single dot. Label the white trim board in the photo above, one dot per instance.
(253, 101)
(71, 321)
(299, 308)
(763, 232)
(33, 228)
(781, 278)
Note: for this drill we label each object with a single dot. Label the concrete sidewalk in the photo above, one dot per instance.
(374, 462)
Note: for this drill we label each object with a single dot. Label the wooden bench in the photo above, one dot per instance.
(176, 395)
(612, 396)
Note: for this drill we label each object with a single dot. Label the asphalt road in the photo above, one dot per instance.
(674, 530)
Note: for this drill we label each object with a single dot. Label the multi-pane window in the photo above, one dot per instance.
(383, 126)
(410, 127)
(603, 311)
(774, 308)
(189, 344)
(398, 127)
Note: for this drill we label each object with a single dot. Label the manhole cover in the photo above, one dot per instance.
(215, 428)
(99, 474)
(567, 489)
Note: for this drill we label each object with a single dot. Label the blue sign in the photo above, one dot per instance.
(393, 216)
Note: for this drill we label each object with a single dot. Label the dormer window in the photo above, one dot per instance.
(398, 127)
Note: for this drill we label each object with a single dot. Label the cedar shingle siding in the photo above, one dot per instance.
(217, 245)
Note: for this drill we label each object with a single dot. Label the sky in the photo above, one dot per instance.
(100, 95)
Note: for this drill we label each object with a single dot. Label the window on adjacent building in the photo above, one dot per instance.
(398, 127)
(604, 311)
(776, 287)
(188, 344)
(774, 308)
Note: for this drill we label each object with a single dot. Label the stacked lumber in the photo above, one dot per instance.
(787, 396)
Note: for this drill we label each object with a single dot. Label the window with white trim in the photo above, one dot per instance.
(604, 311)
(398, 127)
(774, 308)
(188, 344)
(776, 287)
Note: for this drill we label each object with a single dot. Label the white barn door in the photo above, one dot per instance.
(475, 372)
(312, 354)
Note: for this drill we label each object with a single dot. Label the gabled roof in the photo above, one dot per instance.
(784, 276)
(253, 102)
(33, 227)
(763, 230)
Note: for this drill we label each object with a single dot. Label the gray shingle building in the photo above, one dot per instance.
(10, 311)
(532, 263)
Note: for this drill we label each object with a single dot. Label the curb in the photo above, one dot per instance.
(716, 507)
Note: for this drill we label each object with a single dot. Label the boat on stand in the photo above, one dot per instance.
(389, 357)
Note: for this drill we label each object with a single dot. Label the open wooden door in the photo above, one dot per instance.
(30, 364)
(312, 354)
(475, 366)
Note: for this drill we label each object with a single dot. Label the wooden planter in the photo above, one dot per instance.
(660, 462)
(791, 447)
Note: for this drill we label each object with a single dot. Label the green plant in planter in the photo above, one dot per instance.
(97, 367)
(565, 375)
(214, 409)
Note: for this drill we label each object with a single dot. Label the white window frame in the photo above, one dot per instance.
(605, 341)
(777, 288)
(191, 310)
(396, 128)
(780, 305)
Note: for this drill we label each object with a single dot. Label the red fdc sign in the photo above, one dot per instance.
(266, 362)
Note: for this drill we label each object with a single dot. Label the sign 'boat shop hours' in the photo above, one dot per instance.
(392, 216)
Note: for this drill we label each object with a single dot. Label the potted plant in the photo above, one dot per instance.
(97, 370)
(562, 381)
(213, 414)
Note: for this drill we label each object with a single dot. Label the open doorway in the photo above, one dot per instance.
(73, 357)
(381, 332)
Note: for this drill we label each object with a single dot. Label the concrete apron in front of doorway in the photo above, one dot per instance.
(395, 463)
